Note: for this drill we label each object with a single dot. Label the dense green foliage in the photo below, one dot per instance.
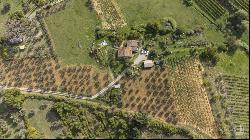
(238, 23)
(17, 15)
(209, 55)
(90, 120)
(13, 98)
(39, 3)
(81, 121)
(112, 97)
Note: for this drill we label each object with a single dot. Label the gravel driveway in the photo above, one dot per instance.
(140, 58)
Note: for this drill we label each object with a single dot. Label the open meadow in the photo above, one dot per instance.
(235, 64)
(143, 11)
(39, 116)
(72, 31)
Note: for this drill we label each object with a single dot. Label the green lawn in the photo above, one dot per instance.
(245, 37)
(14, 5)
(238, 64)
(143, 11)
(68, 27)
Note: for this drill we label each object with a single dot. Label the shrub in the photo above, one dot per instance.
(194, 52)
(43, 106)
(134, 35)
(209, 55)
(222, 48)
(183, 132)
(167, 25)
(238, 23)
(141, 120)
(116, 38)
(188, 2)
(167, 129)
(31, 113)
(152, 28)
(6, 8)
(152, 55)
(17, 15)
(39, 3)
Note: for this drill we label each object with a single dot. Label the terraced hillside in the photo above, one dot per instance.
(241, 4)
(174, 95)
(211, 7)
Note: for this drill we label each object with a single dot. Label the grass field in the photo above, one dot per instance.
(245, 37)
(74, 25)
(237, 64)
(143, 11)
(41, 119)
(14, 5)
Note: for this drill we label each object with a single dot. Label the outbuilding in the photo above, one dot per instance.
(134, 44)
(148, 64)
(22, 47)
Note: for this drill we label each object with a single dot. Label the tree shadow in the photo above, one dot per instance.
(52, 116)
(89, 5)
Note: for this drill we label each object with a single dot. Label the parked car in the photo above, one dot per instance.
(145, 52)
(29, 90)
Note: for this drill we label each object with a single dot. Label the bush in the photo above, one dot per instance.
(31, 113)
(165, 128)
(222, 48)
(152, 55)
(183, 132)
(188, 2)
(194, 52)
(209, 55)
(39, 3)
(238, 23)
(17, 15)
(134, 35)
(152, 28)
(6, 8)
(56, 125)
(141, 120)
(167, 25)
(116, 38)
(113, 97)
(99, 33)
(43, 106)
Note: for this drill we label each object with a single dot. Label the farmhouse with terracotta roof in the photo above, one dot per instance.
(125, 52)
